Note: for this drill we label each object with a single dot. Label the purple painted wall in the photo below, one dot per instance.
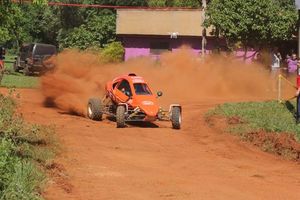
(136, 46)
(140, 46)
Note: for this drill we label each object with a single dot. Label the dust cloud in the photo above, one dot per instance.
(181, 75)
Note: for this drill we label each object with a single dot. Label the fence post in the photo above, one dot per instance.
(279, 88)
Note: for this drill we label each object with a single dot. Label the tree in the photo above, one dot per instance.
(186, 3)
(253, 22)
(112, 53)
(98, 31)
(14, 22)
(175, 3)
(157, 3)
(4, 35)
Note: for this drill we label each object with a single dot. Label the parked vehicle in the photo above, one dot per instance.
(129, 98)
(33, 58)
(2, 57)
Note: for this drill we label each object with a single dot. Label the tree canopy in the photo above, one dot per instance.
(246, 21)
(253, 21)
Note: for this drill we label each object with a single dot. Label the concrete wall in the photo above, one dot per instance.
(160, 22)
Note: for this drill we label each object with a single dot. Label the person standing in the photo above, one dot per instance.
(275, 67)
(275, 61)
(292, 63)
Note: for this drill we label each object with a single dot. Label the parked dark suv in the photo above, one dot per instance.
(33, 58)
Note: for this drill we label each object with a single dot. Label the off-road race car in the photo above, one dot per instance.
(128, 98)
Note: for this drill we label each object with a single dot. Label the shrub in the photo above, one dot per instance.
(24, 150)
(112, 53)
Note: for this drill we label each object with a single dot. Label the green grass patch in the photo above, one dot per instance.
(13, 79)
(25, 152)
(268, 116)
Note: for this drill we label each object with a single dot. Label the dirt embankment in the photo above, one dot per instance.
(282, 144)
(180, 75)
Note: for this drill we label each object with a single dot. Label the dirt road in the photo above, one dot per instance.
(197, 162)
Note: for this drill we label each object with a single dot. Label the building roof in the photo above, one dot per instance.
(185, 22)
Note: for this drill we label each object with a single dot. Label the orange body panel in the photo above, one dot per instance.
(147, 103)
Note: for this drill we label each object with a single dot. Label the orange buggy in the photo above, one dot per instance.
(129, 98)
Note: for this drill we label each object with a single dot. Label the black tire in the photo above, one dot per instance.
(16, 67)
(120, 116)
(94, 109)
(26, 71)
(176, 117)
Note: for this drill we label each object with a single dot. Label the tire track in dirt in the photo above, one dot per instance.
(197, 162)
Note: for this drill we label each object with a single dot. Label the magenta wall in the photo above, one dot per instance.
(140, 46)
(136, 46)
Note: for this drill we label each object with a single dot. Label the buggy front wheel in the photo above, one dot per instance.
(94, 109)
(176, 117)
(120, 116)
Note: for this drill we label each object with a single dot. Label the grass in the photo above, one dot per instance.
(25, 152)
(267, 116)
(13, 79)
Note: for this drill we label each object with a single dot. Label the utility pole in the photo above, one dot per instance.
(203, 29)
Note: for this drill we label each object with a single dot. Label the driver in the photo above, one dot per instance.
(126, 91)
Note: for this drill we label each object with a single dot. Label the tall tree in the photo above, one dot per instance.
(98, 31)
(14, 21)
(253, 22)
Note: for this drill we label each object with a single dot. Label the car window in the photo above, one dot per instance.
(44, 50)
(141, 89)
(125, 87)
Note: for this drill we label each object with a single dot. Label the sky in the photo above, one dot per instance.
(298, 3)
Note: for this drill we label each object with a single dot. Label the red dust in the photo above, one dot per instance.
(181, 75)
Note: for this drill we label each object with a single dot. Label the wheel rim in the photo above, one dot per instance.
(90, 112)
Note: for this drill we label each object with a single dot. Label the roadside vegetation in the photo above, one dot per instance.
(268, 116)
(83, 28)
(269, 125)
(25, 152)
(12, 79)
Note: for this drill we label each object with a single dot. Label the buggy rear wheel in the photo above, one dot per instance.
(120, 116)
(94, 109)
(176, 117)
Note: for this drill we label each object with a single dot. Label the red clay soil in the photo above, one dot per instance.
(283, 144)
(99, 161)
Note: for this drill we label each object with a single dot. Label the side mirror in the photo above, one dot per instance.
(159, 94)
